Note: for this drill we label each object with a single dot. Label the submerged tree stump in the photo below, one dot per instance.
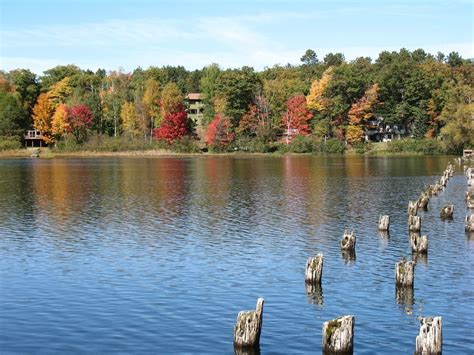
(348, 241)
(338, 335)
(419, 244)
(384, 223)
(430, 338)
(412, 208)
(314, 269)
(447, 212)
(469, 223)
(249, 326)
(414, 223)
(404, 272)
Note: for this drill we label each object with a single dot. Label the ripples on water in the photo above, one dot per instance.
(160, 254)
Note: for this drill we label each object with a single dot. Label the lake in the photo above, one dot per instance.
(158, 255)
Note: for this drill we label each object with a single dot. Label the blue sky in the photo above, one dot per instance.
(40, 34)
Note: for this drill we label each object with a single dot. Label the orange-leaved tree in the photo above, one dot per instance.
(360, 112)
(60, 121)
(42, 114)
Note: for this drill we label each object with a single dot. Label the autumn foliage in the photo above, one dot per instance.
(363, 109)
(174, 126)
(316, 99)
(42, 115)
(295, 120)
(219, 134)
(80, 120)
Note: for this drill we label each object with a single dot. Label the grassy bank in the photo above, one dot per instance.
(100, 146)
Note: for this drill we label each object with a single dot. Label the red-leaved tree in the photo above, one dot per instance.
(80, 120)
(174, 126)
(296, 118)
(219, 133)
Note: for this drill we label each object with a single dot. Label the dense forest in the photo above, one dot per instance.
(327, 101)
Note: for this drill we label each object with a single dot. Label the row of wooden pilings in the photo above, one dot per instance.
(338, 334)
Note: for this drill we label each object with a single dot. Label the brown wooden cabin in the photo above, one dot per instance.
(34, 138)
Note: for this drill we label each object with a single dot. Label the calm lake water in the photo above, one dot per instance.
(158, 255)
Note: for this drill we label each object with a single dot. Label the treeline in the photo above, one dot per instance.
(282, 107)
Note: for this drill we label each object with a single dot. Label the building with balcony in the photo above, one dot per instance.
(195, 107)
(377, 131)
(34, 138)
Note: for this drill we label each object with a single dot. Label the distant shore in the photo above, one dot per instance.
(47, 153)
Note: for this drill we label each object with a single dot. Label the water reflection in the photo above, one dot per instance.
(420, 258)
(384, 237)
(247, 351)
(349, 256)
(470, 236)
(405, 298)
(314, 293)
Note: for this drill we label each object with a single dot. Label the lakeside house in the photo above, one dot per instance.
(195, 111)
(377, 131)
(34, 138)
(195, 107)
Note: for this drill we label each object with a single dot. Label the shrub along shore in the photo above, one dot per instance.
(120, 146)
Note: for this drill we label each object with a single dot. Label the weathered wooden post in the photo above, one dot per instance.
(338, 335)
(412, 208)
(470, 199)
(314, 269)
(430, 338)
(423, 201)
(469, 223)
(447, 212)
(404, 272)
(249, 326)
(384, 223)
(414, 223)
(419, 244)
(348, 241)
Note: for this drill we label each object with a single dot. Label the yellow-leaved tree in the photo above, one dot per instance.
(151, 100)
(42, 114)
(129, 119)
(60, 91)
(316, 99)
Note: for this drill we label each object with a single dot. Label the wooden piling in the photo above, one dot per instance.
(412, 208)
(430, 338)
(419, 244)
(249, 326)
(423, 201)
(414, 223)
(314, 269)
(348, 241)
(447, 212)
(384, 223)
(338, 335)
(470, 198)
(469, 223)
(404, 272)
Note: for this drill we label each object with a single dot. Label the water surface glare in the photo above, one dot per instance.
(158, 255)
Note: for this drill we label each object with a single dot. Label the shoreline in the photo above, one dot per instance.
(46, 153)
